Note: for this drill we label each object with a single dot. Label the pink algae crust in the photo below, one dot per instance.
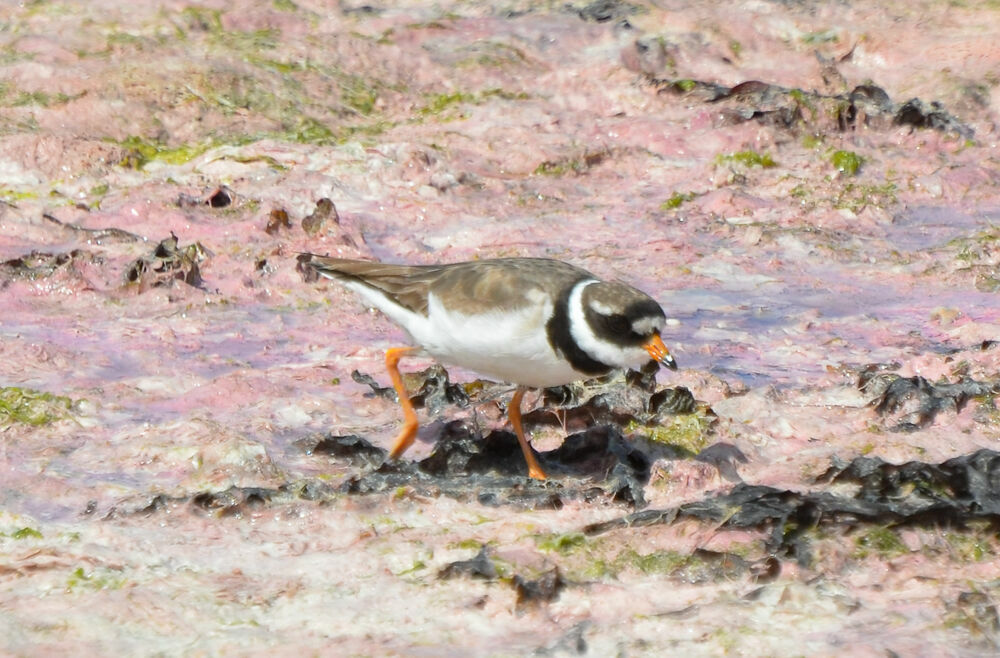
(446, 131)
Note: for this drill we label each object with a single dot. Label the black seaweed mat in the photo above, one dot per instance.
(947, 495)
(868, 106)
(908, 404)
(600, 465)
(597, 463)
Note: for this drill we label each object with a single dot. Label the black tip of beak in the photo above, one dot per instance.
(669, 362)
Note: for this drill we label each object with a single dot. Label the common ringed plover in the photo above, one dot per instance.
(533, 322)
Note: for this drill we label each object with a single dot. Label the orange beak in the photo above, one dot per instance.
(659, 352)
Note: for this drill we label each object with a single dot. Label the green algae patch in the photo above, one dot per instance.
(493, 54)
(846, 162)
(663, 563)
(13, 196)
(817, 38)
(974, 256)
(564, 543)
(846, 194)
(29, 407)
(856, 197)
(974, 546)
(976, 249)
(437, 104)
(504, 94)
(11, 96)
(311, 131)
(101, 578)
(554, 168)
(358, 95)
(443, 106)
(883, 543)
(684, 85)
(656, 563)
(142, 151)
(687, 432)
(580, 557)
(415, 566)
(677, 199)
(26, 533)
(594, 559)
(748, 158)
(39, 99)
(812, 141)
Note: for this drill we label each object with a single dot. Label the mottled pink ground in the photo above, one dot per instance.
(450, 131)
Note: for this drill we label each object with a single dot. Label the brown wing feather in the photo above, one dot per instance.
(406, 284)
(471, 287)
(502, 283)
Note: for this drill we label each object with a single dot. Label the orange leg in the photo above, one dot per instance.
(409, 431)
(514, 412)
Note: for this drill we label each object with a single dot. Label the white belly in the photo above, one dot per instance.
(510, 346)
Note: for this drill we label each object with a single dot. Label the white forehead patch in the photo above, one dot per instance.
(646, 326)
(603, 309)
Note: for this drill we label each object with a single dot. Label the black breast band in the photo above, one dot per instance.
(562, 340)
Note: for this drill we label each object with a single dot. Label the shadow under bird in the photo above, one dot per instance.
(533, 322)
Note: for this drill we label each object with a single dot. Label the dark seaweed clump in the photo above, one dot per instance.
(914, 402)
(867, 106)
(40, 264)
(324, 213)
(167, 263)
(436, 390)
(535, 593)
(598, 460)
(602, 11)
(531, 593)
(597, 463)
(480, 566)
(947, 495)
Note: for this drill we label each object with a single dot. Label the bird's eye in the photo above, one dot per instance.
(619, 324)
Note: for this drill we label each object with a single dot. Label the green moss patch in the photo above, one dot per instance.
(677, 199)
(30, 407)
(101, 578)
(26, 533)
(438, 104)
(856, 197)
(846, 162)
(564, 543)
(142, 151)
(690, 433)
(883, 543)
(748, 158)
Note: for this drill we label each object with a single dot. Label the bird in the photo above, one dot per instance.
(531, 322)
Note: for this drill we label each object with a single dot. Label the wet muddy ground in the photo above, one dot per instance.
(192, 437)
